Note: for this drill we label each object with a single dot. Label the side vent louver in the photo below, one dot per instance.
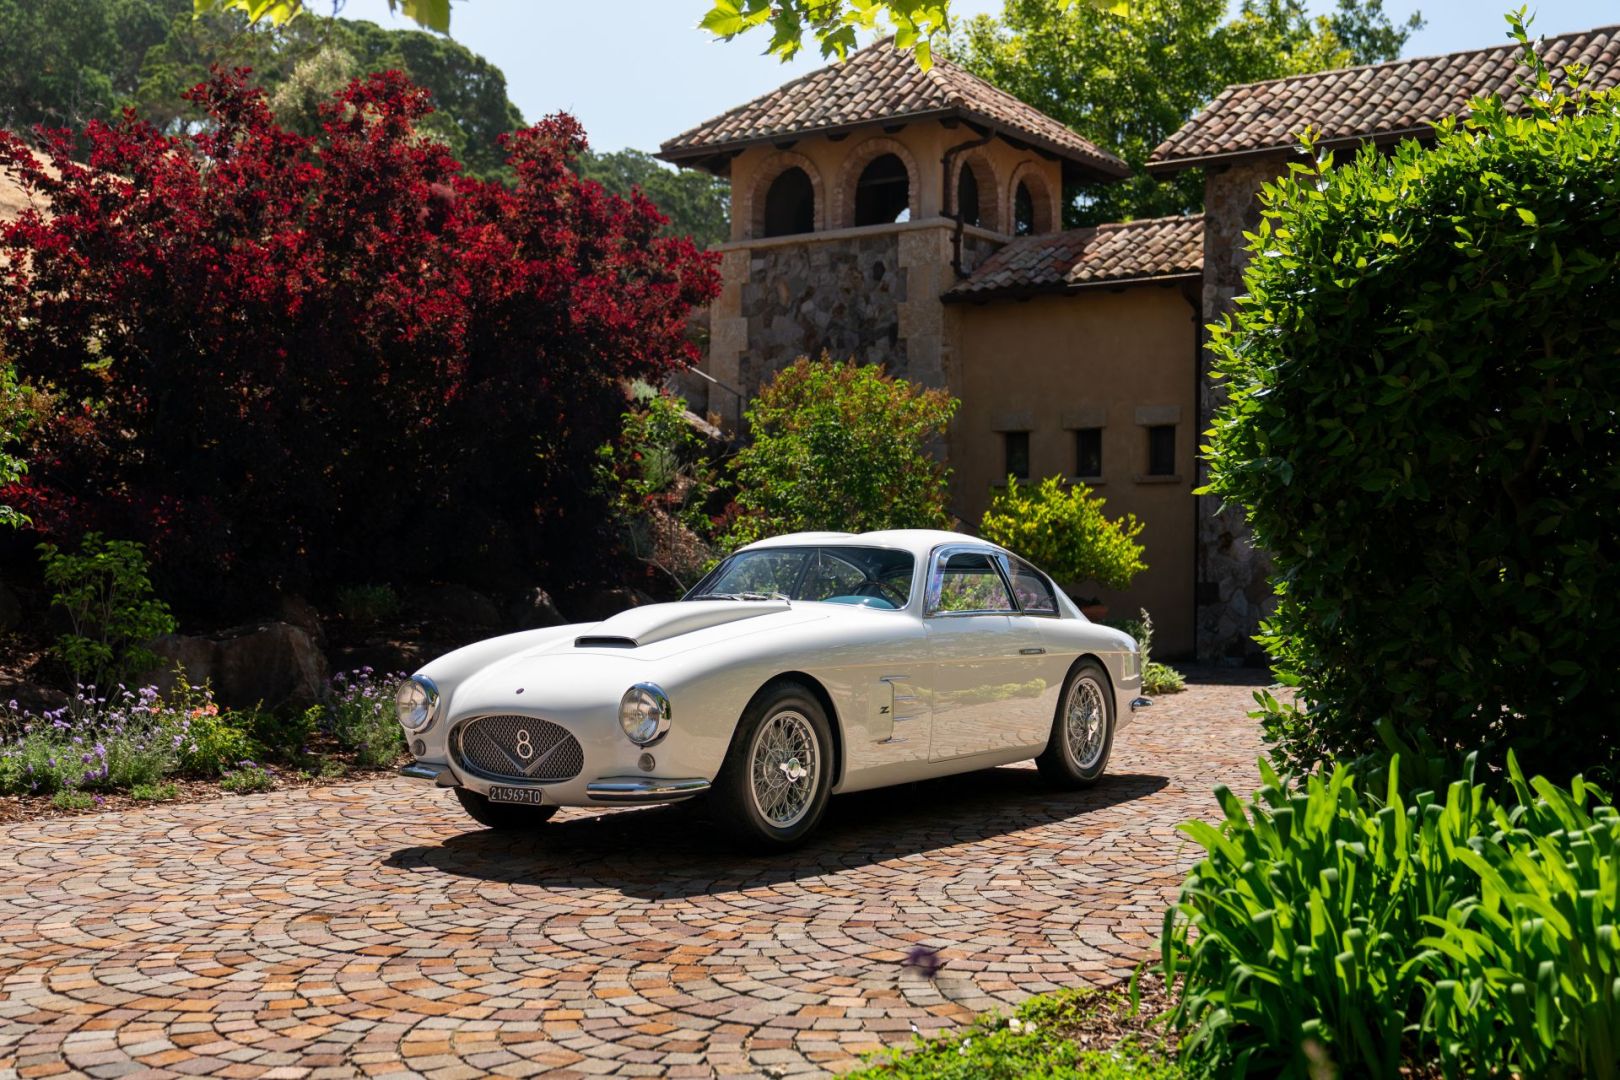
(604, 642)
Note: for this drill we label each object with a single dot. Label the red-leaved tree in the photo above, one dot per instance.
(290, 363)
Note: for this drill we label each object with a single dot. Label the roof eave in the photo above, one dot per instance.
(1064, 288)
(1105, 166)
(1170, 166)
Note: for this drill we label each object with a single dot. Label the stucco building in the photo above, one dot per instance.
(913, 219)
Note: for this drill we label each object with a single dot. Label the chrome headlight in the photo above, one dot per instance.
(644, 714)
(417, 703)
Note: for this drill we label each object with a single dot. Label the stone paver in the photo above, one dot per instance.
(371, 930)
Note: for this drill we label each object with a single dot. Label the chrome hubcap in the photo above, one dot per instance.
(1085, 722)
(783, 768)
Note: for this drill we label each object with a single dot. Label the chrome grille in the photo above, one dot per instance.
(520, 748)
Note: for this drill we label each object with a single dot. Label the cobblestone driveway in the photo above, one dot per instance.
(369, 929)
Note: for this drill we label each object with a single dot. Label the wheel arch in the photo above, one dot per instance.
(825, 700)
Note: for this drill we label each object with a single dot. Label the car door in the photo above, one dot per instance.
(985, 678)
(1036, 598)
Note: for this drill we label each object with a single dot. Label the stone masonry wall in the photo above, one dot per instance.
(841, 296)
(1233, 590)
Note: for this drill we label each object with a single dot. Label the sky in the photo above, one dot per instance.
(636, 72)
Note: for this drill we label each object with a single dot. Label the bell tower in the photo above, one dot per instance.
(860, 194)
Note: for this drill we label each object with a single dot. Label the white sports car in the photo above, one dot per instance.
(799, 668)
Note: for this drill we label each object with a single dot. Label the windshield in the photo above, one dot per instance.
(869, 577)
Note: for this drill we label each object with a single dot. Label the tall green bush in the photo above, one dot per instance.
(840, 446)
(1424, 429)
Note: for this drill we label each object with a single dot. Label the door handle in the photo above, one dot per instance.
(1031, 652)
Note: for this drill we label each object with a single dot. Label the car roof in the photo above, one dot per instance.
(918, 542)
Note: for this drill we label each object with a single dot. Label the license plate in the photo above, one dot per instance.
(523, 796)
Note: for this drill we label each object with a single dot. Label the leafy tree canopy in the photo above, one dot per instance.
(1127, 77)
(70, 61)
(304, 62)
(697, 204)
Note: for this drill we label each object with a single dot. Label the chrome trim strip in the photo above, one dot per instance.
(439, 774)
(1141, 703)
(638, 789)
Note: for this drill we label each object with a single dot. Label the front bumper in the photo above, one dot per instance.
(608, 789)
(643, 789)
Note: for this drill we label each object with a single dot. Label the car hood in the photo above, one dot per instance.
(642, 626)
(575, 662)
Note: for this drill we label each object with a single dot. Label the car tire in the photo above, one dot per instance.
(781, 727)
(505, 817)
(1082, 736)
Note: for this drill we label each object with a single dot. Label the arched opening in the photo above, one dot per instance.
(790, 204)
(1023, 211)
(967, 197)
(883, 193)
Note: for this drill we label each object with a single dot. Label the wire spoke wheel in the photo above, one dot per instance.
(1085, 722)
(784, 768)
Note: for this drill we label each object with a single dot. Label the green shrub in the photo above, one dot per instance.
(248, 778)
(361, 716)
(1160, 678)
(164, 792)
(1422, 429)
(95, 743)
(1061, 528)
(1364, 928)
(840, 446)
(107, 594)
(367, 605)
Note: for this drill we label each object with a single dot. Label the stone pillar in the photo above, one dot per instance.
(1233, 590)
(728, 337)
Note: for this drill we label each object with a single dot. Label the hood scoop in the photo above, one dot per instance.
(660, 622)
(603, 641)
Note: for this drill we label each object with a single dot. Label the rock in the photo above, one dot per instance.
(535, 609)
(271, 664)
(455, 604)
(32, 697)
(10, 608)
(609, 602)
(302, 614)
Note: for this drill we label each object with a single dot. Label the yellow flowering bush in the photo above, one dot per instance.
(1062, 529)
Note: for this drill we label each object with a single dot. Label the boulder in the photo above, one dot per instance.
(301, 613)
(533, 610)
(609, 602)
(454, 604)
(270, 664)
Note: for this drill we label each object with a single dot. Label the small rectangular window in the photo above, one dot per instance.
(1088, 451)
(1162, 450)
(1017, 447)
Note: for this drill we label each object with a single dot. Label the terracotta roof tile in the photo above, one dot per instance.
(881, 84)
(1350, 104)
(1112, 254)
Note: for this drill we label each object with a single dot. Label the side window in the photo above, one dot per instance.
(964, 582)
(1034, 594)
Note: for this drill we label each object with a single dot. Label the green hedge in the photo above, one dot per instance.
(1424, 386)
